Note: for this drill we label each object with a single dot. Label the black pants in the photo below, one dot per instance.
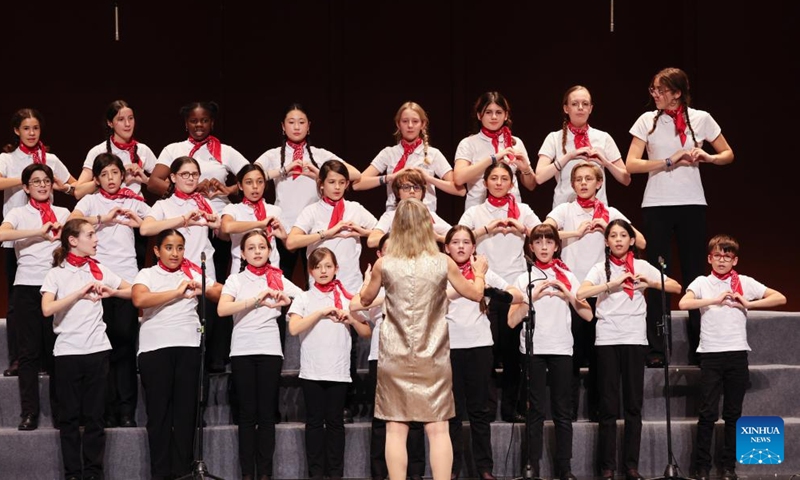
(472, 373)
(415, 443)
(554, 370)
(122, 328)
(625, 363)
(687, 224)
(288, 263)
(324, 427)
(81, 385)
(35, 341)
(726, 374)
(11, 327)
(256, 379)
(584, 355)
(506, 347)
(169, 377)
(218, 329)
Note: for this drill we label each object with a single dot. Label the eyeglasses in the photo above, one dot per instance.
(659, 90)
(722, 258)
(409, 187)
(40, 182)
(188, 175)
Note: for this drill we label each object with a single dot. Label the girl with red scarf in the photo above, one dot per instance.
(322, 319)
(70, 293)
(674, 203)
(33, 230)
(169, 351)
(492, 144)
(577, 141)
(621, 341)
(412, 150)
(254, 297)
(553, 289)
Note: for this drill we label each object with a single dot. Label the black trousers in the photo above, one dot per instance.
(687, 224)
(324, 427)
(11, 327)
(35, 341)
(218, 329)
(256, 379)
(288, 263)
(726, 374)
(472, 373)
(122, 328)
(169, 377)
(555, 370)
(620, 364)
(584, 355)
(415, 443)
(81, 385)
(506, 347)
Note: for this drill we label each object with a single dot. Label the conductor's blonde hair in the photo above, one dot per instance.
(412, 231)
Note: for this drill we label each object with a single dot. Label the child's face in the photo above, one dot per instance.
(110, 179)
(187, 178)
(499, 182)
(253, 185)
(325, 271)
(586, 183)
(460, 247)
(123, 124)
(199, 124)
(170, 252)
(493, 117)
(544, 249)
(39, 187)
(410, 190)
(619, 241)
(85, 244)
(256, 251)
(579, 107)
(334, 186)
(410, 125)
(296, 126)
(722, 262)
(28, 132)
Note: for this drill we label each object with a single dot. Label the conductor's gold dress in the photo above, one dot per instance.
(415, 380)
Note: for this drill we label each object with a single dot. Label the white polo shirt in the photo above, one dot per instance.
(34, 254)
(245, 213)
(477, 147)
(146, 155)
(388, 158)
(468, 326)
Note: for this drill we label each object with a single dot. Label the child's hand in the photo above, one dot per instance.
(599, 225)
(189, 288)
(616, 282)
(479, 265)
(641, 283)
(740, 302)
(310, 171)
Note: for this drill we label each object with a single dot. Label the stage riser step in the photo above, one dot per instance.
(37, 454)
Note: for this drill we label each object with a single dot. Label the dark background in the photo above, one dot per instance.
(353, 63)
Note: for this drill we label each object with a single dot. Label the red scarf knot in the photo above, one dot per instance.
(581, 135)
(214, 146)
(123, 192)
(627, 264)
(297, 154)
(201, 202)
(46, 212)
(508, 199)
(736, 284)
(338, 210)
(466, 270)
(600, 210)
(273, 275)
(336, 287)
(129, 147)
(38, 152)
(505, 132)
(680, 122)
(408, 149)
(559, 268)
(94, 265)
(186, 266)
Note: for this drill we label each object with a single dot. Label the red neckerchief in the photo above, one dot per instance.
(466, 270)
(272, 274)
(214, 146)
(408, 149)
(495, 137)
(736, 284)
(680, 122)
(559, 268)
(38, 152)
(94, 265)
(627, 264)
(123, 192)
(338, 210)
(260, 211)
(297, 154)
(46, 212)
(581, 135)
(513, 209)
(186, 267)
(335, 286)
(600, 210)
(129, 147)
(201, 202)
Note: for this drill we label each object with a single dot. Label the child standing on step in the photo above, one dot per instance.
(723, 299)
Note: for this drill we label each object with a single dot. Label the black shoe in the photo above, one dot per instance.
(348, 415)
(12, 370)
(702, 474)
(607, 474)
(29, 422)
(655, 360)
(487, 476)
(567, 476)
(111, 421)
(453, 476)
(633, 474)
(73, 477)
(416, 477)
(729, 474)
(127, 421)
(514, 418)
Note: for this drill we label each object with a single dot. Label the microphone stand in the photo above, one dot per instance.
(199, 469)
(671, 471)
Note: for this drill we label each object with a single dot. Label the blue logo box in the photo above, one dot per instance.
(759, 440)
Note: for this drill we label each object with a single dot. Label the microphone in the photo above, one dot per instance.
(661, 262)
(203, 258)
